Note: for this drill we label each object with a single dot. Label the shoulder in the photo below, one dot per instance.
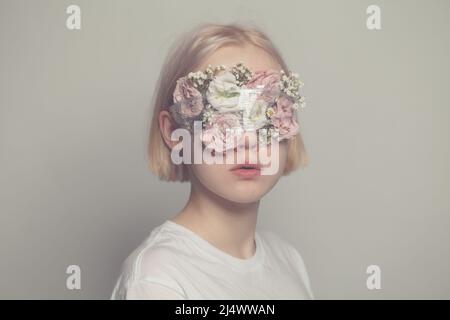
(157, 255)
(153, 262)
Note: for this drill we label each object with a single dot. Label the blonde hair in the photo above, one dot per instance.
(185, 56)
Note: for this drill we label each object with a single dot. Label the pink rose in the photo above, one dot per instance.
(287, 127)
(284, 107)
(215, 133)
(189, 98)
(284, 118)
(266, 79)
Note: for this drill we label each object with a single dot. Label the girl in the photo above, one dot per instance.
(211, 249)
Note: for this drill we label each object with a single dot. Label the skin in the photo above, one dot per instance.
(223, 208)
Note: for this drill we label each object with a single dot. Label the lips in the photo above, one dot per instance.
(247, 170)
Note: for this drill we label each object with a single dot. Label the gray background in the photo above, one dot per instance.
(74, 117)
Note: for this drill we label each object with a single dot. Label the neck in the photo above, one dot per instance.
(228, 225)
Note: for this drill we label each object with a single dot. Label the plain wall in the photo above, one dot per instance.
(74, 118)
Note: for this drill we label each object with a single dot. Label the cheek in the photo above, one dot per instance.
(210, 175)
(276, 157)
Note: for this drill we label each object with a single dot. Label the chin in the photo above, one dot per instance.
(243, 192)
(243, 199)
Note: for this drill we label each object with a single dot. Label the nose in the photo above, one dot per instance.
(249, 140)
(247, 147)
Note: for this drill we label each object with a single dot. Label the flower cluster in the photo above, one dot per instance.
(241, 73)
(236, 98)
(290, 84)
(207, 114)
(201, 79)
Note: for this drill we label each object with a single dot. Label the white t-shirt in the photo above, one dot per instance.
(176, 263)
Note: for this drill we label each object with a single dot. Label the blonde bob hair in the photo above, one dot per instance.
(184, 56)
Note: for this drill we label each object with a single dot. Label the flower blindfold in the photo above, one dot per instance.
(236, 100)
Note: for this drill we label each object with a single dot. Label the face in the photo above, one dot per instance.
(237, 181)
(229, 181)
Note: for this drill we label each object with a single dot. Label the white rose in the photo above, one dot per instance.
(223, 93)
(254, 115)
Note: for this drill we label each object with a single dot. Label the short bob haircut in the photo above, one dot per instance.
(185, 56)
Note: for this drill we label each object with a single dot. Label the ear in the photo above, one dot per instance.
(166, 126)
